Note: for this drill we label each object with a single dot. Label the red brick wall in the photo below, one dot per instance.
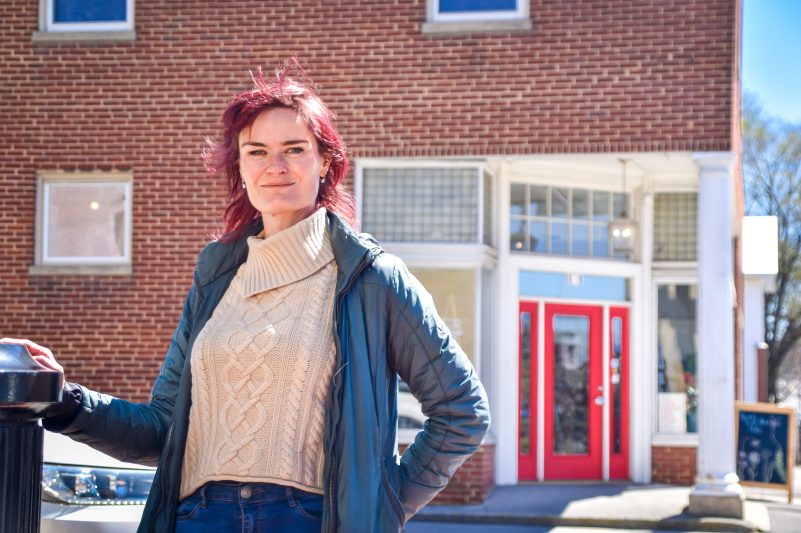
(474, 480)
(597, 76)
(673, 464)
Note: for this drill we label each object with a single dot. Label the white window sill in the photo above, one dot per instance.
(679, 440)
(80, 270)
(83, 36)
(484, 26)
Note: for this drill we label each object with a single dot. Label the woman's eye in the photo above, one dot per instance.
(295, 150)
(257, 153)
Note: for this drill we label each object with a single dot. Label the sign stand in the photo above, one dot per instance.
(765, 440)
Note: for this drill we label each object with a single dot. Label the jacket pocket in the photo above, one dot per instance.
(396, 507)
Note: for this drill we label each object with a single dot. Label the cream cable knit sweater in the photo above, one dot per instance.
(262, 364)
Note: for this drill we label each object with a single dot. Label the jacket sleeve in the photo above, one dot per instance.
(441, 377)
(132, 432)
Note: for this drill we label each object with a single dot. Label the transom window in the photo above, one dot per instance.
(675, 226)
(88, 15)
(423, 204)
(564, 221)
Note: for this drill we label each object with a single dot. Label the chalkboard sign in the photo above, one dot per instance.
(765, 445)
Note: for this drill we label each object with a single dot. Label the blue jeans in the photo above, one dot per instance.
(231, 507)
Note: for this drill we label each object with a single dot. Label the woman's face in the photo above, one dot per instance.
(281, 165)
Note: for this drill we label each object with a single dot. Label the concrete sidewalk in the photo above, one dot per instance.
(609, 505)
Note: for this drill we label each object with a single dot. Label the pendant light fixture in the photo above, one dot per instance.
(622, 229)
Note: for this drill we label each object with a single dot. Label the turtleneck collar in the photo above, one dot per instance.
(288, 256)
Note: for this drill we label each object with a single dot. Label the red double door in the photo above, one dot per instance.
(576, 397)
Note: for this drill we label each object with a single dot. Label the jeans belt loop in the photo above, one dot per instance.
(290, 497)
(203, 496)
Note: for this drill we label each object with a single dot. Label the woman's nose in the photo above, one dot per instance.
(276, 164)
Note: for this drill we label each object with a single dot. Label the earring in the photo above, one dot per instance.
(243, 184)
(322, 180)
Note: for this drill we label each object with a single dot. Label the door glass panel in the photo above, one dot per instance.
(571, 374)
(616, 382)
(525, 383)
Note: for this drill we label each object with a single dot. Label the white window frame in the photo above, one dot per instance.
(679, 276)
(48, 24)
(45, 264)
(434, 15)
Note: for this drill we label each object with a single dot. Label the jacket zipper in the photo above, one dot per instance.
(331, 526)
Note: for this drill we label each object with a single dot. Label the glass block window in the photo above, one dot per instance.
(85, 221)
(675, 226)
(563, 221)
(423, 204)
(489, 215)
(83, 15)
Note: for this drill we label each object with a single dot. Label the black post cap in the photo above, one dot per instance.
(27, 389)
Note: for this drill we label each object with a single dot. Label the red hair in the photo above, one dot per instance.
(290, 89)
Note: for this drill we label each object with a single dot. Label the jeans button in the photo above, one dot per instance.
(245, 492)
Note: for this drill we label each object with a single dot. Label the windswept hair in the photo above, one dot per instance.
(291, 89)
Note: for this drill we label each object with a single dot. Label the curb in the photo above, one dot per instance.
(678, 523)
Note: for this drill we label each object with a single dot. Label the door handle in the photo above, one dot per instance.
(599, 400)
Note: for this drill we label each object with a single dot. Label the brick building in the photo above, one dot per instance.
(562, 176)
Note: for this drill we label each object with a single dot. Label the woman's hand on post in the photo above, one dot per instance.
(40, 354)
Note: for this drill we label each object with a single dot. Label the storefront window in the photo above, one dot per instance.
(676, 363)
(454, 294)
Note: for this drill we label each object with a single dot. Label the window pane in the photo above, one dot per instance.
(581, 239)
(539, 201)
(559, 204)
(525, 383)
(600, 206)
(620, 205)
(89, 10)
(455, 6)
(675, 226)
(85, 220)
(517, 203)
(422, 204)
(539, 236)
(676, 351)
(616, 383)
(581, 204)
(558, 238)
(571, 373)
(600, 240)
(454, 294)
(517, 235)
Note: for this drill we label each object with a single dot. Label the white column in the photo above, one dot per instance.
(504, 401)
(716, 491)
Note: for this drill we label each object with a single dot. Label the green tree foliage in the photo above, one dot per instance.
(772, 174)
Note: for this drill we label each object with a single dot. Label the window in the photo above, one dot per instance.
(449, 16)
(563, 221)
(675, 226)
(455, 296)
(83, 219)
(442, 205)
(86, 15)
(676, 358)
(472, 10)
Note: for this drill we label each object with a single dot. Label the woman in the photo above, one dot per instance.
(276, 406)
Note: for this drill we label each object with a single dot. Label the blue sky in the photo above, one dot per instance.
(771, 55)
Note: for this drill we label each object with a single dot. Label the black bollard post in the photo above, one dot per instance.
(26, 391)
